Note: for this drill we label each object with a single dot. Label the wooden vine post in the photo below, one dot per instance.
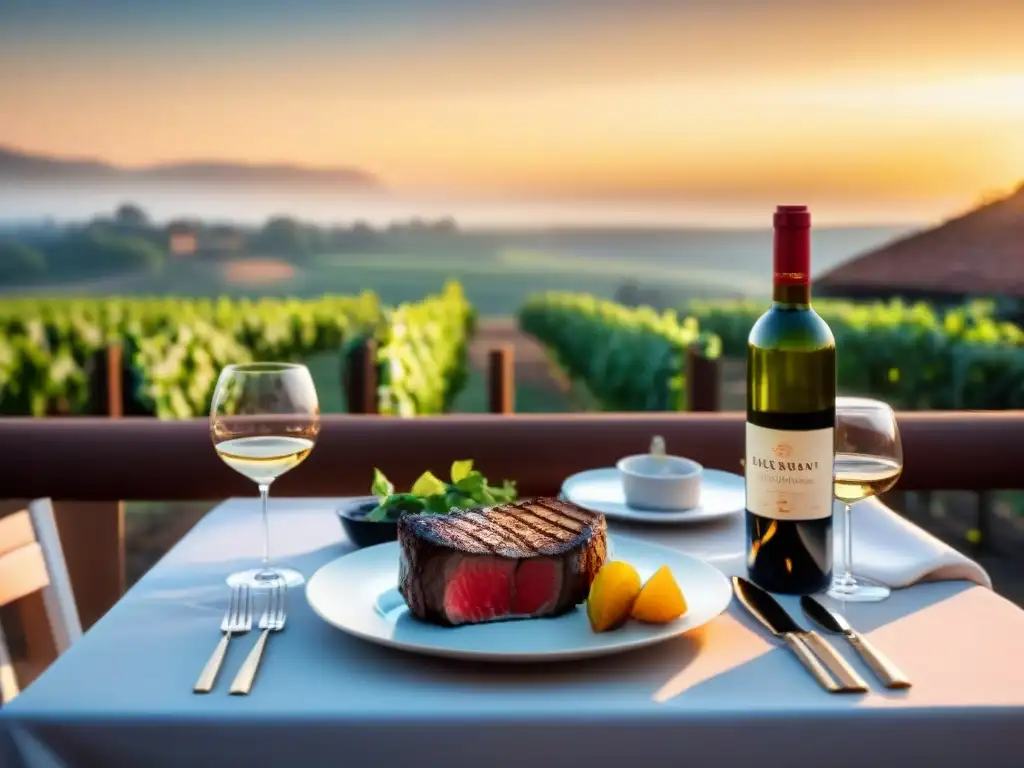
(703, 381)
(359, 377)
(501, 380)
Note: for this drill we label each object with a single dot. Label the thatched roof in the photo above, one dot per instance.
(979, 253)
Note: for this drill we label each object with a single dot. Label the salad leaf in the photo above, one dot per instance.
(436, 505)
(395, 505)
(430, 495)
(472, 484)
(381, 486)
(461, 469)
(428, 485)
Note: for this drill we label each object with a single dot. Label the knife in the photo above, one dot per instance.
(831, 621)
(772, 615)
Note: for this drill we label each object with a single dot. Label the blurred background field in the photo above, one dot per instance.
(497, 269)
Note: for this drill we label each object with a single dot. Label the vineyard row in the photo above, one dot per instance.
(173, 349)
(911, 355)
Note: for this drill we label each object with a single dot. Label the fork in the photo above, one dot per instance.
(237, 621)
(271, 620)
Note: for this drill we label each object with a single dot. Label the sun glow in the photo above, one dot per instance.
(885, 104)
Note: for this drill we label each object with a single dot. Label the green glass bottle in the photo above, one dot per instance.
(791, 409)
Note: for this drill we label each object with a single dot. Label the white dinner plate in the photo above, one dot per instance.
(721, 494)
(358, 594)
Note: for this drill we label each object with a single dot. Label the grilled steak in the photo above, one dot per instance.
(525, 560)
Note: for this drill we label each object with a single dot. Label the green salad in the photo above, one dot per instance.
(431, 495)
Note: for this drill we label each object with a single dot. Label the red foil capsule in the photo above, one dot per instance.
(792, 245)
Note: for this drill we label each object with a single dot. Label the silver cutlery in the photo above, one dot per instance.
(813, 651)
(271, 620)
(832, 621)
(237, 621)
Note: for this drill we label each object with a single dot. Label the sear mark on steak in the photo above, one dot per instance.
(531, 559)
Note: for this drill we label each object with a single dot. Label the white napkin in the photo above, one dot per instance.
(890, 550)
(886, 548)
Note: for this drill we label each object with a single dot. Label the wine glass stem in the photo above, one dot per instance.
(847, 544)
(265, 498)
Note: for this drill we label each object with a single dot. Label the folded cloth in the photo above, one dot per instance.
(890, 550)
(887, 549)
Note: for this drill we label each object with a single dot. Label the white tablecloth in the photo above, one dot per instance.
(725, 695)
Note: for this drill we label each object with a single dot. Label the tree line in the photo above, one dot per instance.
(129, 241)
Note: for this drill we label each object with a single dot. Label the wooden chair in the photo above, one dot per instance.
(32, 560)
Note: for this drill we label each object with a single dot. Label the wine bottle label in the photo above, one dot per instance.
(789, 472)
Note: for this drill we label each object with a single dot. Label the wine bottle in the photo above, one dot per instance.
(791, 411)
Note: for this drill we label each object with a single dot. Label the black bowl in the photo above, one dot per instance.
(363, 532)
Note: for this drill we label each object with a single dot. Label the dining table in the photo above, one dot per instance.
(725, 694)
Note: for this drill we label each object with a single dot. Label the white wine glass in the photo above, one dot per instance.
(264, 421)
(868, 462)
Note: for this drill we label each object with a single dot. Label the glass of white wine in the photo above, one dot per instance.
(264, 420)
(868, 462)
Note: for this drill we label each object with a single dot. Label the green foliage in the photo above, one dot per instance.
(910, 355)
(282, 236)
(423, 353)
(131, 216)
(430, 495)
(20, 262)
(174, 348)
(98, 251)
(173, 373)
(628, 359)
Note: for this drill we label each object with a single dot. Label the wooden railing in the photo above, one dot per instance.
(93, 459)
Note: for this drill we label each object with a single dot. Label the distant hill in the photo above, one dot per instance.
(16, 165)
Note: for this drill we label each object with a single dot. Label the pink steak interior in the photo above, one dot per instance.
(479, 589)
(486, 588)
(538, 583)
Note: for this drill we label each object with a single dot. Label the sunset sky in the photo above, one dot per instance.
(905, 105)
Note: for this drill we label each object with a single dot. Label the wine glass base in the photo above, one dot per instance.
(266, 578)
(858, 592)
